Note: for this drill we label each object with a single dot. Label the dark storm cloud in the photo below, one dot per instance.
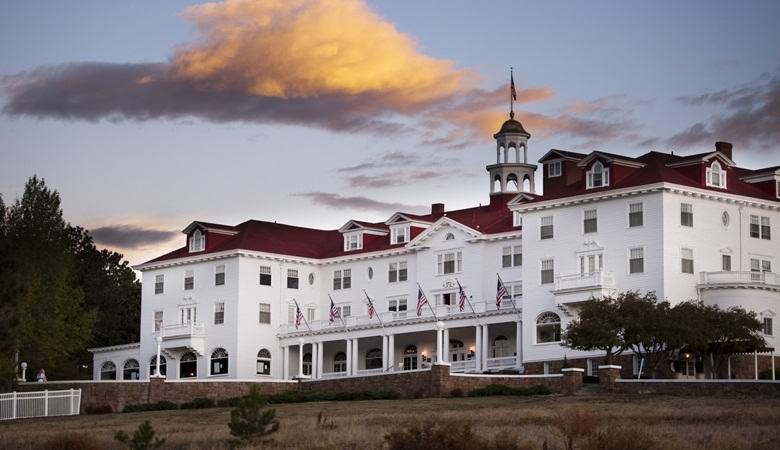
(358, 203)
(130, 236)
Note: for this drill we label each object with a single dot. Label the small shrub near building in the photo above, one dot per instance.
(199, 403)
(143, 438)
(143, 407)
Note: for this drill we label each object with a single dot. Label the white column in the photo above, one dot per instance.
(286, 362)
(355, 356)
(773, 366)
(729, 368)
(519, 344)
(300, 358)
(445, 351)
(755, 363)
(439, 333)
(485, 346)
(478, 349)
(384, 353)
(320, 358)
(349, 357)
(391, 352)
(157, 365)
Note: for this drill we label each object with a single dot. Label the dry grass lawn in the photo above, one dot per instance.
(673, 422)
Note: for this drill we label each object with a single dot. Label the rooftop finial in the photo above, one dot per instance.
(512, 93)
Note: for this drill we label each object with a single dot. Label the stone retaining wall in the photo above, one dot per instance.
(703, 388)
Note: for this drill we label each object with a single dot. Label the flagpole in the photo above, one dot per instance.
(511, 297)
(467, 299)
(428, 303)
(511, 96)
(375, 311)
(344, 324)
(303, 316)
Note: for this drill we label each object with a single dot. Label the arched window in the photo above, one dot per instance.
(219, 362)
(512, 183)
(410, 358)
(188, 366)
(340, 362)
(307, 364)
(108, 371)
(264, 362)
(716, 176)
(527, 184)
(598, 176)
(449, 237)
(374, 358)
(548, 328)
(197, 241)
(153, 365)
(497, 184)
(131, 370)
(511, 153)
(500, 154)
(501, 347)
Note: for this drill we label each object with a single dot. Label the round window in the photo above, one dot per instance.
(725, 218)
(311, 278)
(370, 273)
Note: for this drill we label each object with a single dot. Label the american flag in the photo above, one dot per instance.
(334, 313)
(421, 301)
(500, 292)
(461, 298)
(512, 86)
(370, 309)
(298, 316)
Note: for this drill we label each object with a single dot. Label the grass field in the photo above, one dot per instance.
(668, 422)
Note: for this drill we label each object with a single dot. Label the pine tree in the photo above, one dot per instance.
(143, 438)
(249, 423)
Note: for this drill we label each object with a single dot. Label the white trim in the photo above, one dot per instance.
(112, 348)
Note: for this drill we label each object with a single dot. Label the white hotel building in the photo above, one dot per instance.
(686, 227)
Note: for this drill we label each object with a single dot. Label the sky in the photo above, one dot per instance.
(148, 115)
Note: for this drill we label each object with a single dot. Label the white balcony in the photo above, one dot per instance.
(739, 280)
(582, 287)
(183, 337)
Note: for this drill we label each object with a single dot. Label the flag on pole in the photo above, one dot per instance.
(371, 310)
(461, 298)
(512, 85)
(421, 301)
(298, 316)
(333, 312)
(500, 292)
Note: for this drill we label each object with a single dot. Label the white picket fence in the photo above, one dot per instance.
(22, 405)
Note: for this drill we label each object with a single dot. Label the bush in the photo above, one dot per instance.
(228, 402)
(576, 424)
(451, 436)
(249, 423)
(619, 439)
(319, 396)
(98, 409)
(72, 441)
(143, 407)
(143, 438)
(502, 389)
(457, 392)
(199, 403)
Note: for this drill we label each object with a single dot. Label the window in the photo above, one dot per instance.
(291, 313)
(554, 169)
(767, 326)
(219, 275)
(687, 260)
(188, 314)
(592, 368)
(307, 364)
(346, 282)
(265, 313)
(370, 273)
(447, 298)
(547, 271)
(265, 275)
(597, 176)
(219, 362)
(590, 222)
(725, 219)
(292, 279)
(397, 272)
(353, 241)
(219, 313)
(311, 278)
(342, 279)
(311, 313)
(108, 371)
(342, 311)
(449, 237)
(264, 362)
(410, 357)
(726, 263)
(517, 219)
(188, 366)
(450, 262)
(159, 284)
(512, 256)
(686, 214)
(396, 305)
(636, 260)
(153, 366)
(158, 320)
(546, 227)
(513, 296)
(374, 359)
(716, 176)
(758, 267)
(548, 328)
(760, 228)
(189, 280)
(636, 215)
(340, 362)
(399, 234)
(197, 242)
(131, 370)
(591, 263)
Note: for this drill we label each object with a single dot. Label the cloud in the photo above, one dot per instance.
(130, 236)
(359, 203)
(327, 63)
(393, 159)
(750, 116)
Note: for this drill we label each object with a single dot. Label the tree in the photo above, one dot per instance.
(647, 327)
(143, 438)
(11, 290)
(249, 423)
(731, 331)
(597, 327)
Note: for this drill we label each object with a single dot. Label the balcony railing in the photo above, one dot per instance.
(584, 281)
(728, 278)
(183, 330)
(505, 362)
(463, 366)
(329, 375)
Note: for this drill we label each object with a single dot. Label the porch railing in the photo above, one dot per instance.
(743, 277)
(463, 366)
(504, 362)
(329, 375)
(584, 281)
(21, 405)
(183, 330)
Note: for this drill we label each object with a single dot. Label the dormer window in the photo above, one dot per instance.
(399, 234)
(353, 241)
(716, 176)
(197, 241)
(597, 176)
(554, 169)
(517, 219)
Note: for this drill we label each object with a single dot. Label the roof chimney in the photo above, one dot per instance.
(724, 147)
(437, 208)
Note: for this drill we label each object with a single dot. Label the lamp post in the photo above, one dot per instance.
(24, 371)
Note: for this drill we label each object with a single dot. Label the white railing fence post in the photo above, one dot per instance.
(46, 403)
(13, 406)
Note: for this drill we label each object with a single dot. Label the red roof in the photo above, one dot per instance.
(271, 237)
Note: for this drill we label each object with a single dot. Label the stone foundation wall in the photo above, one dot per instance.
(698, 388)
